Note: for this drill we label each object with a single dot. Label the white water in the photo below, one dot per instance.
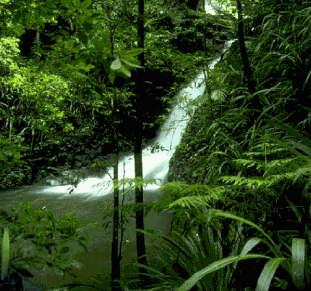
(212, 6)
(155, 163)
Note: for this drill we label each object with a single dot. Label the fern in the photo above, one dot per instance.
(196, 201)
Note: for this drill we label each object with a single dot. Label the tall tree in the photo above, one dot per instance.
(115, 258)
(115, 254)
(139, 195)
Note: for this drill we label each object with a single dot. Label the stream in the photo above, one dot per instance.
(90, 197)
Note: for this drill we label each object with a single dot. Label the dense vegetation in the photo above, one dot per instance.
(248, 152)
(68, 66)
(70, 73)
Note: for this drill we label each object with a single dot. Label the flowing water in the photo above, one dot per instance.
(89, 198)
(155, 162)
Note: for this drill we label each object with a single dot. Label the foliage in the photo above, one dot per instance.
(296, 265)
(202, 256)
(68, 66)
(10, 160)
(182, 254)
(5, 253)
(67, 89)
(250, 153)
(238, 145)
(39, 240)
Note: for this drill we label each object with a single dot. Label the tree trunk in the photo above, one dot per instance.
(139, 199)
(115, 246)
(115, 258)
(248, 75)
(139, 195)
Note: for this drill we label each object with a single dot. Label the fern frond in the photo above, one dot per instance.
(259, 183)
(196, 201)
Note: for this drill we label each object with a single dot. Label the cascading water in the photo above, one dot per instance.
(155, 163)
(90, 211)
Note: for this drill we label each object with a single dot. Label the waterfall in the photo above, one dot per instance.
(155, 163)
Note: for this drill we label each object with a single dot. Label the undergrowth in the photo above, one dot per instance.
(254, 161)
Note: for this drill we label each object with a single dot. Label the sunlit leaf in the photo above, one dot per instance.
(250, 244)
(116, 64)
(298, 262)
(215, 266)
(130, 64)
(5, 254)
(266, 276)
(125, 71)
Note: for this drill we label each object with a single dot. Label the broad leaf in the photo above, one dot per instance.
(267, 274)
(116, 64)
(250, 244)
(215, 266)
(5, 254)
(298, 262)
(125, 71)
(130, 64)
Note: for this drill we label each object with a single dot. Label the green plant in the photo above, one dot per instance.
(5, 254)
(10, 156)
(39, 239)
(295, 263)
(180, 255)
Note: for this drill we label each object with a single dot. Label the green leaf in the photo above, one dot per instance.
(5, 254)
(298, 262)
(295, 210)
(265, 278)
(116, 64)
(130, 64)
(250, 244)
(132, 53)
(112, 76)
(219, 213)
(215, 266)
(125, 71)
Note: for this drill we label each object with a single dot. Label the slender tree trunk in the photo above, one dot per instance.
(115, 258)
(140, 239)
(139, 195)
(248, 74)
(122, 215)
(115, 247)
(115, 251)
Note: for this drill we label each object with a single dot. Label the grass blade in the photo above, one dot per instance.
(295, 210)
(267, 274)
(215, 266)
(250, 244)
(298, 262)
(219, 213)
(5, 254)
